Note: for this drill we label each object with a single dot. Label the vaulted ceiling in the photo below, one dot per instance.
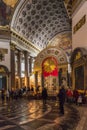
(40, 20)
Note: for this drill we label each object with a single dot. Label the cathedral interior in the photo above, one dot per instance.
(32, 31)
(28, 30)
(40, 46)
(43, 43)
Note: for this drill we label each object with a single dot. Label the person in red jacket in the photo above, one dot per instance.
(69, 95)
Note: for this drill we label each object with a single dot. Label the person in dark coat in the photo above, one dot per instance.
(44, 95)
(61, 96)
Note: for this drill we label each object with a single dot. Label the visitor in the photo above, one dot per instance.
(69, 94)
(7, 95)
(75, 95)
(79, 100)
(44, 95)
(61, 96)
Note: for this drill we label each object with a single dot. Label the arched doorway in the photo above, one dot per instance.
(50, 74)
(4, 74)
(52, 65)
(79, 68)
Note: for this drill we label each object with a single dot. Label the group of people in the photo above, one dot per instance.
(70, 97)
(63, 95)
(75, 97)
(13, 94)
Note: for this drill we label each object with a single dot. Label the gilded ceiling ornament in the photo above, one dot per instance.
(10, 2)
(49, 65)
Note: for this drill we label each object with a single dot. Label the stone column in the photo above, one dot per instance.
(69, 75)
(30, 68)
(26, 69)
(30, 65)
(36, 79)
(73, 76)
(85, 74)
(19, 68)
(12, 47)
(42, 80)
(68, 80)
(60, 76)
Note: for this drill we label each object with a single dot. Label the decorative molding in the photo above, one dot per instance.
(76, 4)
(81, 22)
(5, 32)
(23, 43)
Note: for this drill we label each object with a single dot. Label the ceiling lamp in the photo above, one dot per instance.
(10, 2)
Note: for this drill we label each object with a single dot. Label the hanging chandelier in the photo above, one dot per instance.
(10, 2)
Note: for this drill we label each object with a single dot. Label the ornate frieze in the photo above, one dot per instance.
(23, 43)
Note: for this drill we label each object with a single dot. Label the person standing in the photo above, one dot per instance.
(75, 95)
(44, 95)
(69, 95)
(61, 96)
(7, 95)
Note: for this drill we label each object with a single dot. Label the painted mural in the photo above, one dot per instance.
(62, 41)
(6, 9)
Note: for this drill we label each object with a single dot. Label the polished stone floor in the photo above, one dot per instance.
(24, 114)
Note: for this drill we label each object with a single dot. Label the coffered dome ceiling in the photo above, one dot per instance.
(40, 20)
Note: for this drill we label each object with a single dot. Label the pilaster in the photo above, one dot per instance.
(12, 47)
(26, 69)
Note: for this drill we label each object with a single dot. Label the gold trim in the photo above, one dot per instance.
(10, 2)
(14, 33)
(81, 22)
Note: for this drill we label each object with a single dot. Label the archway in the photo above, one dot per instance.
(50, 73)
(52, 64)
(79, 68)
(4, 74)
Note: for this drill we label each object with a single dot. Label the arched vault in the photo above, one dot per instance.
(52, 51)
(40, 20)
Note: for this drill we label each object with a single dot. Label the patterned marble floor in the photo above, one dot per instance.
(23, 114)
